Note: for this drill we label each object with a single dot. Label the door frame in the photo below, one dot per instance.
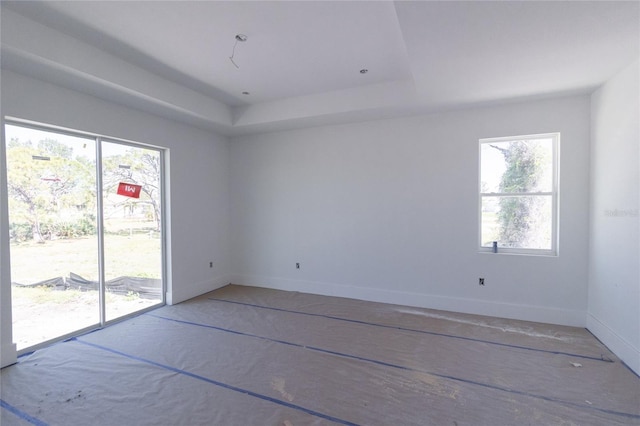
(164, 208)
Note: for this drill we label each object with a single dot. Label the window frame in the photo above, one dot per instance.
(164, 224)
(554, 193)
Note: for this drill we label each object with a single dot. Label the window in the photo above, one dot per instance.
(518, 194)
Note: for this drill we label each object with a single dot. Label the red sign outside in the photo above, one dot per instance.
(129, 190)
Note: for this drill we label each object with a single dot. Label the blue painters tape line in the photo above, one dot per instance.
(19, 413)
(413, 330)
(220, 384)
(401, 367)
(226, 330)
(26, 354)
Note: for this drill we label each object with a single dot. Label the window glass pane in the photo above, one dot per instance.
(51, 183)
(522, 222)
(132, 207)
(517, 166)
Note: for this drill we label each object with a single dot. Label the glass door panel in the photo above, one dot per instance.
(132, 206)
(51, 184)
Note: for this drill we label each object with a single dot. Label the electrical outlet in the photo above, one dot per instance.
(297, 265)
(210, 264)
(480, 281)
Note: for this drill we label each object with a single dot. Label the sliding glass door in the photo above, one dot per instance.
(132, 228)
(85, 222)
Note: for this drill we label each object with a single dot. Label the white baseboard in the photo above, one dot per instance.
(623, 349)
(445, 303)
(8, 354)
(194, 290)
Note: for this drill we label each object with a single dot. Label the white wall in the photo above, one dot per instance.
(7, 347)
(198, 170)
(614, 253)
(387, 211)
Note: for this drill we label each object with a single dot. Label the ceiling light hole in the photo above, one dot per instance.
(364, 71)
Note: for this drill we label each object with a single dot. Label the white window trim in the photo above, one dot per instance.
(555, 196)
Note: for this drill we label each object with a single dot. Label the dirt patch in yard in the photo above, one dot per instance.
(41, 313)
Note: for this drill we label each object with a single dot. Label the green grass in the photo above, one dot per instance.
(136, 256)
(42, 313)
(41, 294)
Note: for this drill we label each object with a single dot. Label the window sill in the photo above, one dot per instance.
(518, 253)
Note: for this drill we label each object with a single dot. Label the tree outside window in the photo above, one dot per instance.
(518, 194)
